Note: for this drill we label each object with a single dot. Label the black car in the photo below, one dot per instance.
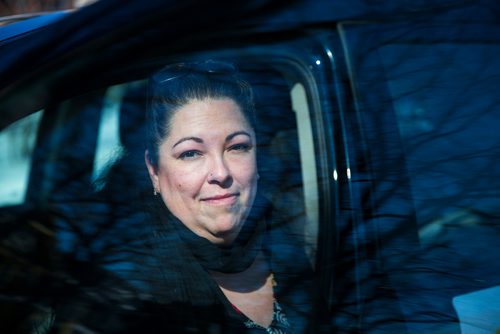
(379, 149)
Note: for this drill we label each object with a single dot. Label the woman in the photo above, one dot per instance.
(218, 264)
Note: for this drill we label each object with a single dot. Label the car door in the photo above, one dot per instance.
(83, 177)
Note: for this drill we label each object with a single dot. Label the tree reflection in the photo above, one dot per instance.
(416, 221)
(431, 122)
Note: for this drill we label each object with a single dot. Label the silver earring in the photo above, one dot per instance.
(155, 192)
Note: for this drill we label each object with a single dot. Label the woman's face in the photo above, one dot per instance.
(207, 171)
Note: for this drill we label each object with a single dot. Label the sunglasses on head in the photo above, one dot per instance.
(208, 67)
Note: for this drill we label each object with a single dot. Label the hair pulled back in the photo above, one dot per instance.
(177, 85)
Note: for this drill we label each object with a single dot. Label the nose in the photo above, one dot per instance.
(219, 173)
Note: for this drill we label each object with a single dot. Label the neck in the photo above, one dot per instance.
(250, 291)
(251, 279)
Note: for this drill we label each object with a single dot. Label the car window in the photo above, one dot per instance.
(17, 142)
(447, 121)
(286, 153)
(427, 104)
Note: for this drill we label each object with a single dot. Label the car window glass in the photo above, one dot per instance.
(427, 102)
(446, 103)
(286, 153)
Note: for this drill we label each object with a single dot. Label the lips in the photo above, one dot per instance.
(222, 199)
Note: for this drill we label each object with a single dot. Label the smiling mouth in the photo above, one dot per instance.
(225, 199)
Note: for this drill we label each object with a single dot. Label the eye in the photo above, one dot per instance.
(243, 147)
(187, 155)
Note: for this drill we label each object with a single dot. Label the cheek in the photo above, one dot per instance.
(246, 171)
(181, 182)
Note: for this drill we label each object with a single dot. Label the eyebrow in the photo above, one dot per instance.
(200, 141)
(196, 139)
(237, 133)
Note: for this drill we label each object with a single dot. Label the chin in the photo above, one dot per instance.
(226, 231)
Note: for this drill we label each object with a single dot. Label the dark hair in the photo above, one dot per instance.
(177, 85)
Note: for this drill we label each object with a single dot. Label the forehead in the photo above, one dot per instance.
(208, 114)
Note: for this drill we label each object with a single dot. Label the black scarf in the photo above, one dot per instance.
(182, 258)
(177, 269)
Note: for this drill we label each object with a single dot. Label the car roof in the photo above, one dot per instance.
(17, 25)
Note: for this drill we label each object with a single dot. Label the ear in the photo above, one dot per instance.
(153, 173)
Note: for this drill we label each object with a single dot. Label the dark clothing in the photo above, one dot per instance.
(184, 297)
(172, 291)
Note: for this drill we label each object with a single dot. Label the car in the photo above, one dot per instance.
(379, 151)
